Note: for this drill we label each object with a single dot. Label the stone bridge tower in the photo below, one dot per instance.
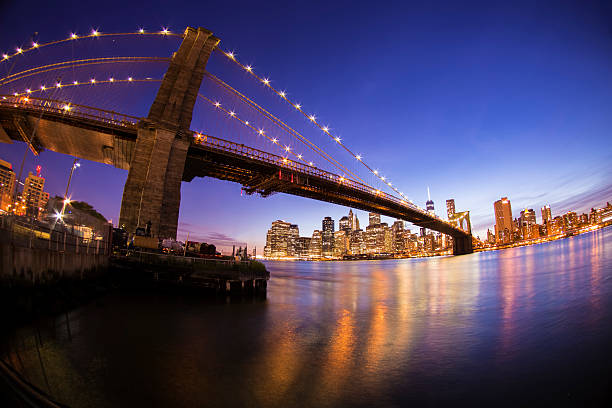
(152, 191)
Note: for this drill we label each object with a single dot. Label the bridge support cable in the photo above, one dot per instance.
(283, 126)
(77, 63)
(94, 34)
(311, 118)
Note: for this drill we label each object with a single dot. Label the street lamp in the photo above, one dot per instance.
(75, 165)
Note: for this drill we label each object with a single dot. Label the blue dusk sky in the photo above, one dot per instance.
(475, 100)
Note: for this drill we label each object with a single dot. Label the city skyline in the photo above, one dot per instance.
(534, 178)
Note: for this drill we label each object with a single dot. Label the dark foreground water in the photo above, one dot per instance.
(515, 327)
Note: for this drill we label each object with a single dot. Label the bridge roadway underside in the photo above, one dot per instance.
(266, 178)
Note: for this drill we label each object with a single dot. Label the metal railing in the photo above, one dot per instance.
(283, 162)
(68, 109)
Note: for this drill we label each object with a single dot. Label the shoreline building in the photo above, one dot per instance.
(327, 237)
(546, 214)
(504, 226)
(277, 240)
(316, 244)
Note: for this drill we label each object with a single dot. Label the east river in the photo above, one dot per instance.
(522, 326)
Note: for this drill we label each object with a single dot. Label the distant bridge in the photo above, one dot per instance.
(160, 151)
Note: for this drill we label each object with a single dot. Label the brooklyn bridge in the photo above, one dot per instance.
(198, 125)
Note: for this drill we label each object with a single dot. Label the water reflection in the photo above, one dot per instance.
(353, 333)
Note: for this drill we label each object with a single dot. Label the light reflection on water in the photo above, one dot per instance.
(503, 327)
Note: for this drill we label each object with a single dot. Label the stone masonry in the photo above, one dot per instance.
(152, 191)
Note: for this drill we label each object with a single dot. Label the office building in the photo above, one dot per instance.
(277, 240)
(316, 245)
(546, 214)
(450, 207)
(35, 200)
(7, 185)
(374, 218)
(504, 226)
(327, 237)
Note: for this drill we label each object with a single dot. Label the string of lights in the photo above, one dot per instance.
(259, 131)
(286, 127)
(94, 34)
(76, 63)
(92, 81)
(312, 118)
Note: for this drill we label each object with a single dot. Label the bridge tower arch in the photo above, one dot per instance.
(152, 192)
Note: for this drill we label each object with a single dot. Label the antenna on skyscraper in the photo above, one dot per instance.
(428, 195)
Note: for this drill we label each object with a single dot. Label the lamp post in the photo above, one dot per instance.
(75, 164)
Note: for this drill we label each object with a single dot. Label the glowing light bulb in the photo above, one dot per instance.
(217, 104)
(5, 56)
(58, 85)
(165, 31)
(325, 129)
(299, 156)
(130, 79)
(112, 79)
(287, 148)
(284, 160)
(282, 93)
(248, 68)
(232, 113)
(341, 179)
(312, 117)
(141, 31)
(34, 45)
(92, 80)
(74, 36)
(274, 140)
(19, 50)
(382, 178)
(297, 106)
(310, 163)
(261, 131)
(76, 82)
(42, 87)
(28, 90)
(67, 108)
(246, 123)
(358, 157)
(266, 81)
(230, 54)
(376, 172)
(95, 33)
(16, 94)
(337, 139)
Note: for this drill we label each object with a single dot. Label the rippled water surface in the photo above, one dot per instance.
(510, 327)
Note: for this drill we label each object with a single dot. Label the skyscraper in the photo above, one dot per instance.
(315, 249)
(327, 237)
(450, 207)
(374, 219)
(34, 196)
(528, 217)
(277, 240)
(353, 220)
(7, 185)
(429, 203)
(546, 214)
(503, 220)
(344, 224)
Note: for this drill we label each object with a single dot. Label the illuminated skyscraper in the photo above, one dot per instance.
(327, 237)
(344, 224)
(353, 220)
(429, 203)
(316, 243)
(503, 220)
(374, 219)
(7, 185)
(528, 217)
(34, 196)
(277, 240)
(546, 214)
(450, 207)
